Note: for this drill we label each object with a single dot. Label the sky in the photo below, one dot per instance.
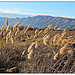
(62, 9)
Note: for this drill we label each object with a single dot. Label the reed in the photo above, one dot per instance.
(6, 22)
(56, 56)
(63, 49)
(30, 54)
(55, 27)
(46, 40)
(27, 28)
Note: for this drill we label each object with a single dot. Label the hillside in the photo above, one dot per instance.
(41, 21)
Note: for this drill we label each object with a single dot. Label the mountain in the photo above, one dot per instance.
(41, 21)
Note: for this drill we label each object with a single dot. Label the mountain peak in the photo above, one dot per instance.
(41, 21)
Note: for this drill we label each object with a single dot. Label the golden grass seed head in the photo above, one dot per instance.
(36, 45)
(36, 31)
(46, 30)
(63, 49)
(23, 52)
(49, 54)
(6, 23)
(64, 41)
(46, 40)
(58, 28)
(70, 52)
(8, 27)
(31, 47)
(64, 30)
(63, 34)
(2, 27)
(59, 41)
(11, 70)
(40, 32)
(55, 27)
(30, 54)
(27, 28)
(56, 56)
(16, 26)
(49, 26)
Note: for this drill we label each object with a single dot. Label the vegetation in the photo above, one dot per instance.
(27, 50)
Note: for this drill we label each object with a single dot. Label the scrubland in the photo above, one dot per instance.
(36, 51)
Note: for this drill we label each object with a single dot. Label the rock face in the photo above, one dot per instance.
(41, 21)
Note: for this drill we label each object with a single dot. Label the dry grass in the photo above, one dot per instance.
(36, 51)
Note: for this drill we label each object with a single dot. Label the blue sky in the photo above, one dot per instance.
(65, 9)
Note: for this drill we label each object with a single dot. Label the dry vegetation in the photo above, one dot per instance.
(36, 51)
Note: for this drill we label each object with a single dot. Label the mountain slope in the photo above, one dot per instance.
(41, 21)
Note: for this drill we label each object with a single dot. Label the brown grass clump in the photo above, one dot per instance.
(64, 41)
(46, 40)
(6, 23)
(63, 49)
(59, 41)
(31, 48)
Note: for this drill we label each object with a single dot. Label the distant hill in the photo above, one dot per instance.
(41, 21)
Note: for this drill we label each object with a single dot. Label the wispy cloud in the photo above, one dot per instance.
(9, 11)
(18, 11)
(21, 9)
